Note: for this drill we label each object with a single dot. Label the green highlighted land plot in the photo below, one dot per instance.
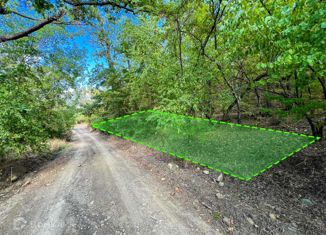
(237, 150)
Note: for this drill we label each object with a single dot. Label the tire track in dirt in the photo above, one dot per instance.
(96, 191)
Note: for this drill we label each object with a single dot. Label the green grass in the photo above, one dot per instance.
(237, 150)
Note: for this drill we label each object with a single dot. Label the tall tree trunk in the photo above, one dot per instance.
(179, 45)
(268, 103)
(323, 85)
(238, 111)
(322, 82)
(317, 130)
(258, 97)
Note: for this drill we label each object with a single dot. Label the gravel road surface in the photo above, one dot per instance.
(94, 189)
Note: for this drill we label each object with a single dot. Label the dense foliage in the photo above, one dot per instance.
(203, 58)
(34, 91)
(210, 58)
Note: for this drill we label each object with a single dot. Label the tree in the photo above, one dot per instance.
(53, 12)
(35, 99)
(210, 57)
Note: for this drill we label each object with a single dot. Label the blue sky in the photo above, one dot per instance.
(88, 42)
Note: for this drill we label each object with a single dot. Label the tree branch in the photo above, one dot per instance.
(22, 15)
(54, 18)
(5, 11)
(179, 34)
(35, 19)
(264, 5)
(32, 29)
(217, 17)
(105, 3)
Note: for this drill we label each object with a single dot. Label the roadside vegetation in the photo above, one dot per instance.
(218, 59)
(36, 102)
(252, 62)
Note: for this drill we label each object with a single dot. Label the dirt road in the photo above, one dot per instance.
(94, 189)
